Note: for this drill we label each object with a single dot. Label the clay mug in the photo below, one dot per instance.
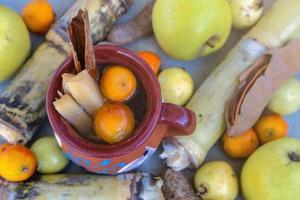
(160, 119)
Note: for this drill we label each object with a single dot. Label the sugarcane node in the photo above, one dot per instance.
(16, 123)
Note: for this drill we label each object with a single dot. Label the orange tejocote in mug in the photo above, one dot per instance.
(114, 122)
(118, 83)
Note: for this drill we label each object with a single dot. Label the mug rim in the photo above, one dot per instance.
(72, 138)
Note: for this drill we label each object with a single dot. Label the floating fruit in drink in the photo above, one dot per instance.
(118, 83)
(114, 122)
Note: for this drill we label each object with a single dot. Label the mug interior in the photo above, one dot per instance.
(108, 55)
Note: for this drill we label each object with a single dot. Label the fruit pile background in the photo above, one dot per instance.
(199, 69)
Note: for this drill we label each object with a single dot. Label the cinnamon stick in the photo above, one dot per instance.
(82, 44)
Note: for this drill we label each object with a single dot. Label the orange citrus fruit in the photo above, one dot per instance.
(240, 146)
(38, 16)
(114, 122)
(271, 127)
(118, 83)
(152, 59)
(17, 163)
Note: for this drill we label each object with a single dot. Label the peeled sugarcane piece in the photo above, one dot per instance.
(140, 26)
(210, 99)
(67, 107)
(82, 44)
(73, 113)
(66, 77)
(22, 104)
(84, 90)
(270, 31)
(258, 83)
(68, 186)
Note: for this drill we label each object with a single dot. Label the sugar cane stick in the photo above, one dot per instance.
(78, 86)
(67, 107)
(210, 99)
(273, 33)
(68, 186)
(140, 26)
(22, 103)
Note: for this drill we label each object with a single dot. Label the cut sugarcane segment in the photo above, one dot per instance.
(66, 77)
(273, 32)
(73, 113)
(79, 186)
(84, 90)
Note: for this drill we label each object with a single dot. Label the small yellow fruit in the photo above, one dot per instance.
(216, 180)
(176, 85)
(245, 13)
(286, 99)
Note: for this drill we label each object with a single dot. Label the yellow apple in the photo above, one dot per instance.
(14, 42)
(272, 172)
(187, 29)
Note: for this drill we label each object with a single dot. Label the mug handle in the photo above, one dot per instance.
(179, 120)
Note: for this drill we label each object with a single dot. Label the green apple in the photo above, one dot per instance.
(216, 181)
(187, 29)
(245, 13)
(14, 42)
(272, 172)
(49, 155)
(176, 85)
(286, 99)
